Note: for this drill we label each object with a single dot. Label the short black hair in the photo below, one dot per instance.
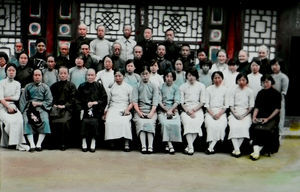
(4, 55)
(145, 68)
(241, 75)
(207, 63)
(217, 72)
(267, 77)
(193, 72)
(201, 50)
(232, 62)
(10, 65)
(120, 71)
(172, 72)
(277, 60)
(256, 60)
(40, 40)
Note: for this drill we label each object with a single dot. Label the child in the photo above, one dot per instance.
(180, 74)
(205, 74)
(155, 78)
(202, 58)
(230, 80)
(216, 105)
(50, 75)
(145, 101)
(254, 76)
(241, 104)
(168, 116)
(78, 73)
(133, 79)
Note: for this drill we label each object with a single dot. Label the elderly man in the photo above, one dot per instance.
(127, 43)
(63, 59)
(100, 46)
(119, 63)
(138, 60)
(18, 51)
(163, 64)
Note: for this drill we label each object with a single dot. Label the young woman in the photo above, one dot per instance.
(192, 101)
(145, 101)
(64, 93)
(36, 101)
(180, 74)
(216, 105)
(265, 132)
(132, 78)
(255, 76)
(10, 115)
(241, 104)
(24, 71)
(118, 115)
(92, 100)
(168, 115)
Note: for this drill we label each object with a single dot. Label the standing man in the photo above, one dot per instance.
(172, 49)
(148, 45)
(100, 46)
(18, 51)
(127, 43)
(38, 61)
(64, 59)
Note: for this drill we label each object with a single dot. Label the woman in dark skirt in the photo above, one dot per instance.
(92, 102)
(63, 93)
(265, 131)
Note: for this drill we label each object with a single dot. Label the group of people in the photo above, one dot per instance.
(145, 87)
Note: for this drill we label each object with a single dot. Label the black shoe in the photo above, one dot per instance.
(126, 149)
(84, 149)
(92, 150)
(32, 150)
(39, 149)
(208, 152)
(63, 147)
(144, 150)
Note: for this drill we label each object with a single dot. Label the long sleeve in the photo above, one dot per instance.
(16, 95)
(24, 99)
(47, 102)
(285, 85)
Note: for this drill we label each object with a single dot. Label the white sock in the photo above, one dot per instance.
(84, 145)
(150, 140)
(194, 135)
(190, 140)
(240, 141)
(31, 142)
(170, 144)
(235, 143)
(126, 142)
(257, 149)
(93, 143)
(143, 139)
(212, 145)
(40, 140)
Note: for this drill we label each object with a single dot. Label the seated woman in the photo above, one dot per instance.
(168, 115)
(35, 103)
(145, 101)
(216, 105)
(192, 101)
(92, 102)
(10, 116)
(241, 103)
(118, 115)
(265, 131)
(63, 93)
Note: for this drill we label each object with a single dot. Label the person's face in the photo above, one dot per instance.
(205, 68)
(217, 79)
(267, 84)
(64, 50)
(262, 54)
(2, 61)
(130, 68)
(185, 51)
(41, 47)
(101, 32)
(91, 76)
(85, 49)
(147, 34)
(178, 66)
(82, 31)
(202, 56)
(11, 72)
(127, 31)
(170, 36)
(222, 57)
(232, 68)
(79, 62)
(154, 68)
(145, 76)
(37, 76)
(19, 47)
(192, 79)
(169, 79)
(117, 50)
(63, 74)
(138, 52)
(119, 77)
(242, 82)
(255, 67)
(275, 68)
(108, 63)
(161, 51)
(243, 57)
(51, 62)
(23, 59)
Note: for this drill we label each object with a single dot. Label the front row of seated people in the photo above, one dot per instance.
(144, 103)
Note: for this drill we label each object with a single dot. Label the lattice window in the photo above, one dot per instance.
(114, 17)
(10, 25)
(260, 27)
(185, 21)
